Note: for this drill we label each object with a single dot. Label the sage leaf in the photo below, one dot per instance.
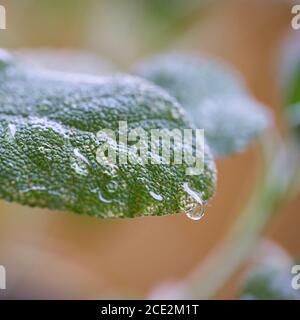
(49, 142)
(214, 97)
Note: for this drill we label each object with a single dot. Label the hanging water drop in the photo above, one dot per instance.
(196, 213)
(196, 208)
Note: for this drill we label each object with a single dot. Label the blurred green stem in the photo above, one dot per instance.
(273, 188)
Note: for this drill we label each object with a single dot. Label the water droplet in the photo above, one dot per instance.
(33, 188)
(43, 149)
(196, 213)
(156, 196)
(195, 210)
(80, 169)
(111, 170)
(112, 186)
(192, 193)
(79, 164)
(103, 199)
(12, 129)
(79, 155)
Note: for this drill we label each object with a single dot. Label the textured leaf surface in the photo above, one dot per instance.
(48, 143)
(213, 95)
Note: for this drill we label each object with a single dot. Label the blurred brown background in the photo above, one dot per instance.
(57, 255)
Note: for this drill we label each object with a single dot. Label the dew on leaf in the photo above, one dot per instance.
(156, 196)
(12, 129)
(112, 186)
(33, 188)
(103, 199)
(79, 155)
(195, 208)
(79, 163)
(79, 168)
(196, 213)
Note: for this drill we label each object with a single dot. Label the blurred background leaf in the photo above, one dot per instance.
(269, 277)
(213, 95)
(290, 68)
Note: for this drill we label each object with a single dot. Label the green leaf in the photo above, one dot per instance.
(48, 143)
(213, 95)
